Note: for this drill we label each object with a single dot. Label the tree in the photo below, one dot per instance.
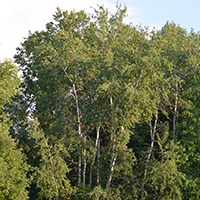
(51, 174)
(84, 55)
(13, 167)
(118, 99)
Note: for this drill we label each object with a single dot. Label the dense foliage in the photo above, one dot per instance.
(13, 167)
(107, 110)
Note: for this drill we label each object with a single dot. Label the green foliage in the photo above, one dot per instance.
(13, 167)
(8, 82)
(51, 174)
(165, 179)
(141, 89)
(13, 180)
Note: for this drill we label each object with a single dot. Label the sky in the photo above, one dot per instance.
(18, 17)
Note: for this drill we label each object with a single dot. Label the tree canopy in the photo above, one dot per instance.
(13, 167)
(107, 110)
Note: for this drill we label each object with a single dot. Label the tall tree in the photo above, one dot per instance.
(117, 98)
(13, 167)
(51, 174)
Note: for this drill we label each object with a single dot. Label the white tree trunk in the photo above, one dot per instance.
(175, 113)
(98, 157)
(152, 134)
(199, 145)
(94, 157)
(79, 123)
(79, 133)
(111, 172)
(113, 160)
(84, 162)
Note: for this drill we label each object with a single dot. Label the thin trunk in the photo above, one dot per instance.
(198, 167)
(113, 157)
(198, 145)
(111, 101)
(111, 172)
(79, 124)
(96, 153)
(138, 81)
(151, 148)
(151, 134)
(175, 113)
(113, 160)
(79, 133)
(84, 162)
(98, 157)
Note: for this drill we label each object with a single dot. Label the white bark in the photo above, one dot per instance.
(111, 172)
(198, 144)
(94, 157)
(84, 162)
(175, 113)
(138, 81)
(111, 101)
(113, 160)
(151, 147)
(151, 134)
(79, 123)
(98, 157)
(79, 133)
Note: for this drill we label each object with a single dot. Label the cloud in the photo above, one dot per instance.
(18, 17)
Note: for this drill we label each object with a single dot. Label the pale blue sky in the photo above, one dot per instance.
(183, 12)
(17, 17)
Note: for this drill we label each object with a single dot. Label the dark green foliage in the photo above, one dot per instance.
(117, 109)
(13, 167)
(51, 174)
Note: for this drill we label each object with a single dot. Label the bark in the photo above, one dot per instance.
(79, 124)
(138, 81)
(175, 113)
(98, 157)
(152, 137)
(111, 172)
(79, 133)
(152, 133)
(198, 145)
(111, 101)
(84, 162)
(94, 157)
(113, 160)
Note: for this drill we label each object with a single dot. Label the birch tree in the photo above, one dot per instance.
(95, 84)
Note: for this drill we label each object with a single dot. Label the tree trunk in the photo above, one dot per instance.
(152, 137)
(79, 133)
(98, 157)
(111, 172)
(175, 113)
(94, 157)
(113, 160)
(152, 146)
(198, 145)
(84, 162)
(79, 124)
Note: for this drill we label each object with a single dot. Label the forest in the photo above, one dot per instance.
(94, 108)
